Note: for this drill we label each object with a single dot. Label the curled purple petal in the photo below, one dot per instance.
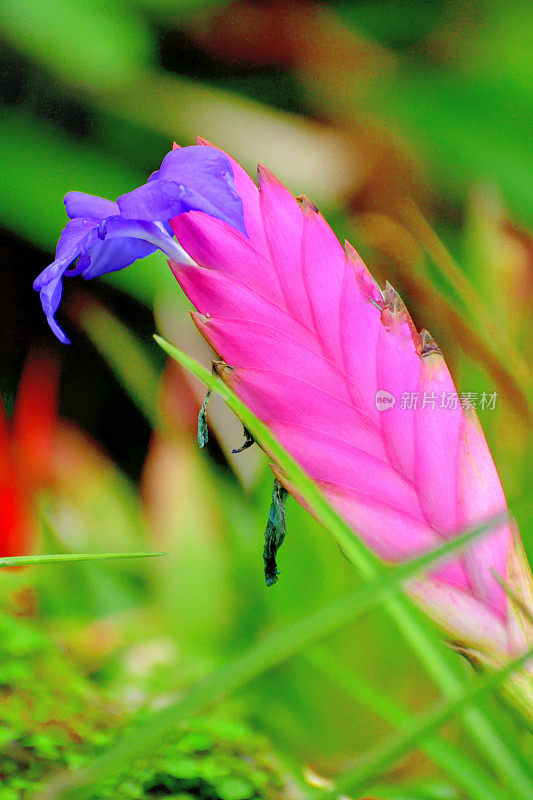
(101, 246)
(71, 240)
(111, 255)
(50, 300)
(196, 178)
(157, 200)
(69, 247)
(79, 204)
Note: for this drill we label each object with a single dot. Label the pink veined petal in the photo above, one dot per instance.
(215, 294)
(386, 529)
(347, 466)
(437, 432)
(468, 618)
(254, 344)
(480, 497)
(363, 438)
(398, 372)
(213, 244)
(294, 401)
(359, 329)
(452, 572)
(367, 285)
(323, 265)
(283, 223)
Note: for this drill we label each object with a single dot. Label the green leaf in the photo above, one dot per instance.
(374, 763)
(26, 561)
(461, 768)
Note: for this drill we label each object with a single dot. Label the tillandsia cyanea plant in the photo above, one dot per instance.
(322, 356)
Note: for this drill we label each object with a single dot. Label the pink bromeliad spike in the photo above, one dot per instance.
(324, 358)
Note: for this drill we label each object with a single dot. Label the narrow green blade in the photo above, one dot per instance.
(26, 561)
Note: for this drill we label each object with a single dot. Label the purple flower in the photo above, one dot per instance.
(105, 236)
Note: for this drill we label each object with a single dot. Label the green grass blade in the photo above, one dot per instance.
(272, 651)
(371, 765)
(58, 558)
(464, 771)
(475, 719)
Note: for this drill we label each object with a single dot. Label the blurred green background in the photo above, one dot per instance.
(399, 120)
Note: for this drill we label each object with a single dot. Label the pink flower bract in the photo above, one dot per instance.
(311, 339)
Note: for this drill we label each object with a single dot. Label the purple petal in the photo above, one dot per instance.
(101, 246)
(69, 247)
(156, 201)
(157, 234)
(196, 178)
(79, 204)
(72, 243)
(50, 300)
(71, 240)
(118, 242)
(106, 236)
(110, 255)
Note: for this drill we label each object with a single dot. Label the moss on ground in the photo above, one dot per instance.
(52, 718)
